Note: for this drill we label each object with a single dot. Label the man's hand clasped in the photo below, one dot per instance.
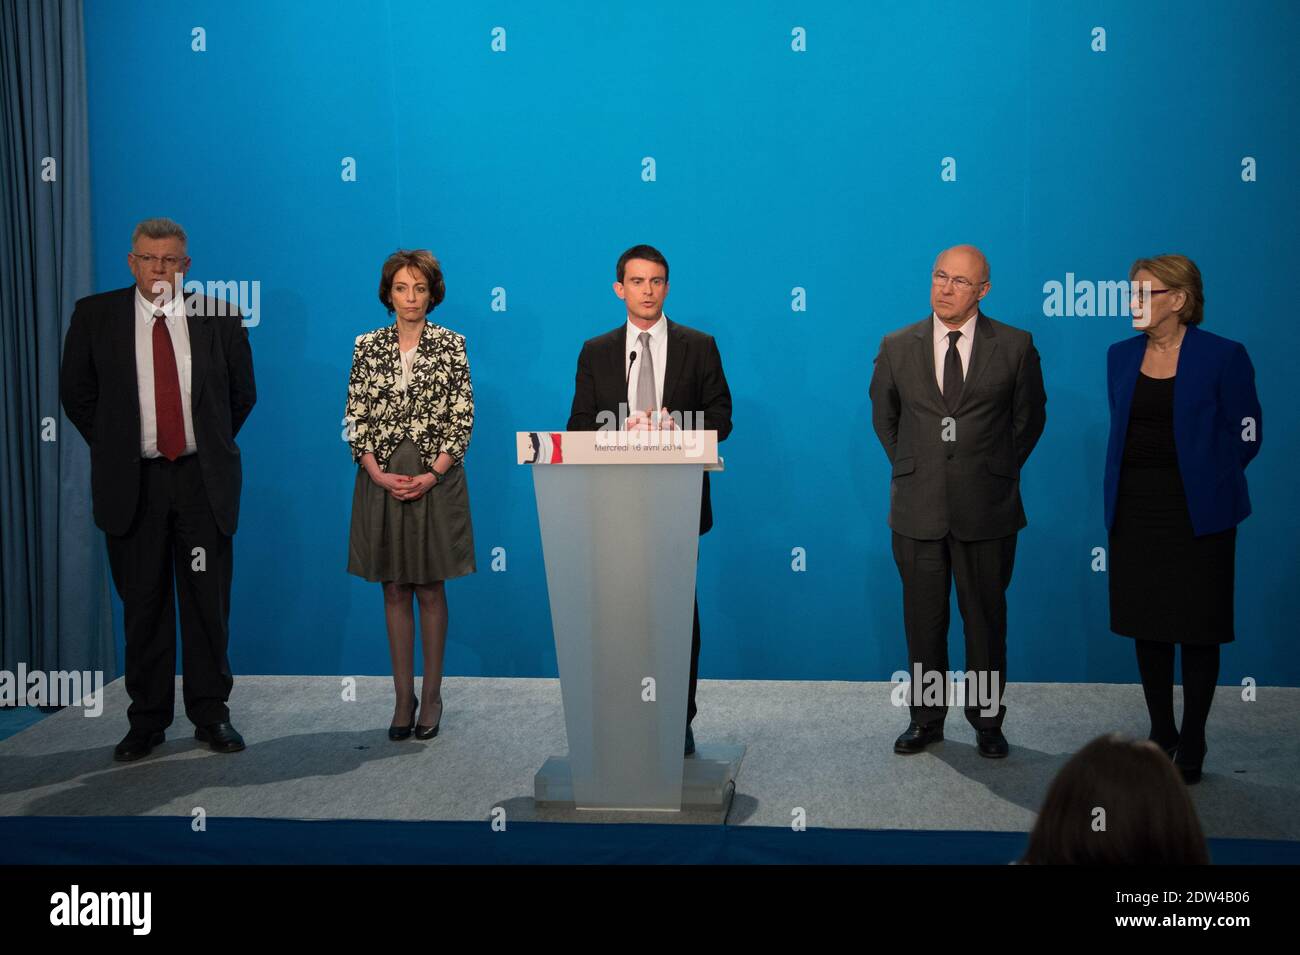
(661, 420)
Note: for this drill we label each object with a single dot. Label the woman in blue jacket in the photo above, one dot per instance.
(1184, 423)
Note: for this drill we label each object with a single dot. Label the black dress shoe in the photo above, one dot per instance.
(1189, 764)
(396, 733)
(221, 737)
(917, 737)
(690, 742)
(137, 745)
(429, 732)
(992, 743)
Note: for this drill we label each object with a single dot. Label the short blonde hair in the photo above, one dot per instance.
(1180, 273)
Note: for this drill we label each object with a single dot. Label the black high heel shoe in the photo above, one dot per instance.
(396, 733)
(1190, 769)
(429, 732)
(1170, 750)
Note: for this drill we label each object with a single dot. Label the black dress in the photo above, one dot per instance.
(1166, 583)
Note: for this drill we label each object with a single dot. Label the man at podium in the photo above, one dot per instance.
(671, 378)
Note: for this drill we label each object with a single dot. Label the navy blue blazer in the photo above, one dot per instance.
(1213, 392)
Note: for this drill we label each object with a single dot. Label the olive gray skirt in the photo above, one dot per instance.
(411, 542)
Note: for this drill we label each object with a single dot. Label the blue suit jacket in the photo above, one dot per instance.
(1213, 391)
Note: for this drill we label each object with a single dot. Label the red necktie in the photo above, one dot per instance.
(167, 392)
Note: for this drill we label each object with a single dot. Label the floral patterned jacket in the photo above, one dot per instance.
(437, 412)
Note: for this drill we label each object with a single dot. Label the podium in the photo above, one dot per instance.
(619, 514)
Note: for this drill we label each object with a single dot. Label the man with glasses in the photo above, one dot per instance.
(159, 383)
(958, 403)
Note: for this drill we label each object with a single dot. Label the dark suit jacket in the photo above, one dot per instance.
(693, 382)
(101, 398)
(971, 486)
(1213, 391)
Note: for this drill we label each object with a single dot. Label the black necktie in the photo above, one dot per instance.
(952, 373)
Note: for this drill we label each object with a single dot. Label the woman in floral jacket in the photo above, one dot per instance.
(410, 412)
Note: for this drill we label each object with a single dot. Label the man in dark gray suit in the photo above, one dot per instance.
(957, 401)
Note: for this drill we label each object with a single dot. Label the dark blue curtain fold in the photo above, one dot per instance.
(55, 612)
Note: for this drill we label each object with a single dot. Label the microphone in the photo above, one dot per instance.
(628, 377)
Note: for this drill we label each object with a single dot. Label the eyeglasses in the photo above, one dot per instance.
(960, 284)
(146, 259)
(1145, 294)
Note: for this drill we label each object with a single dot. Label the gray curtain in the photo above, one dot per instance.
(55, 612)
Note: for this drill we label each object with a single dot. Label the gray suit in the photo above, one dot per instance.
(954, 496)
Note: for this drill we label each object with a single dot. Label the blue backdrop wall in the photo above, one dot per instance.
(828, 169)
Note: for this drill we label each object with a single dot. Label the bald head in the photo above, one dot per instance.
(969, 260)
(960, 280)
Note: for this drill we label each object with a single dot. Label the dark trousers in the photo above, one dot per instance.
(154, 562)
(982, 570)
(695, 664)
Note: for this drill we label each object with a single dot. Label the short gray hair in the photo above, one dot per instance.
(159, 229)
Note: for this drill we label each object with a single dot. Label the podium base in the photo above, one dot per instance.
(708, 783)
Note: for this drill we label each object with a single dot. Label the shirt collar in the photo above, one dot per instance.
(940, 330)
(657, 330)
(175, 308)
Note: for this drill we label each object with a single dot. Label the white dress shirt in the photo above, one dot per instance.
(964, 346)
(658, 352)
(179, 329)
(408, 365)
